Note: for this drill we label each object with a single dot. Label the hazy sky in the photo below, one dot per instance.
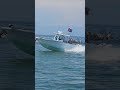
(59, 14)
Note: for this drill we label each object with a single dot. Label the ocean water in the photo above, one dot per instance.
(102, 68)
(19, 24)
(17, 74)
(59, 70)
(16, 68)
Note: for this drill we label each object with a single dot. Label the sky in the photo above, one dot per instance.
(106, 12)
(54, 11)
(17, 10)
(54, 15)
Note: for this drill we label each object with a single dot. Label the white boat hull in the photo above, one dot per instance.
(56, 45)
(23, 39)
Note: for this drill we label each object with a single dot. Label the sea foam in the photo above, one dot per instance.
(77, 49)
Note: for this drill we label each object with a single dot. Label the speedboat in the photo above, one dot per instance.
(22, 39)
(60, 42)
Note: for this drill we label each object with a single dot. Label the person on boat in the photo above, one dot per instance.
(109, 36)
(70, 41)
(56, 37)
(60, 38)
(3, 33)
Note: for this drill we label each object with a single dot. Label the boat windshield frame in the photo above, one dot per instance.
(58, 35)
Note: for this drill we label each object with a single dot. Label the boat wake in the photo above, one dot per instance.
(77, 49)
(103, 53)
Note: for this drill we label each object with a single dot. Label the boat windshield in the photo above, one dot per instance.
(59, 37)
